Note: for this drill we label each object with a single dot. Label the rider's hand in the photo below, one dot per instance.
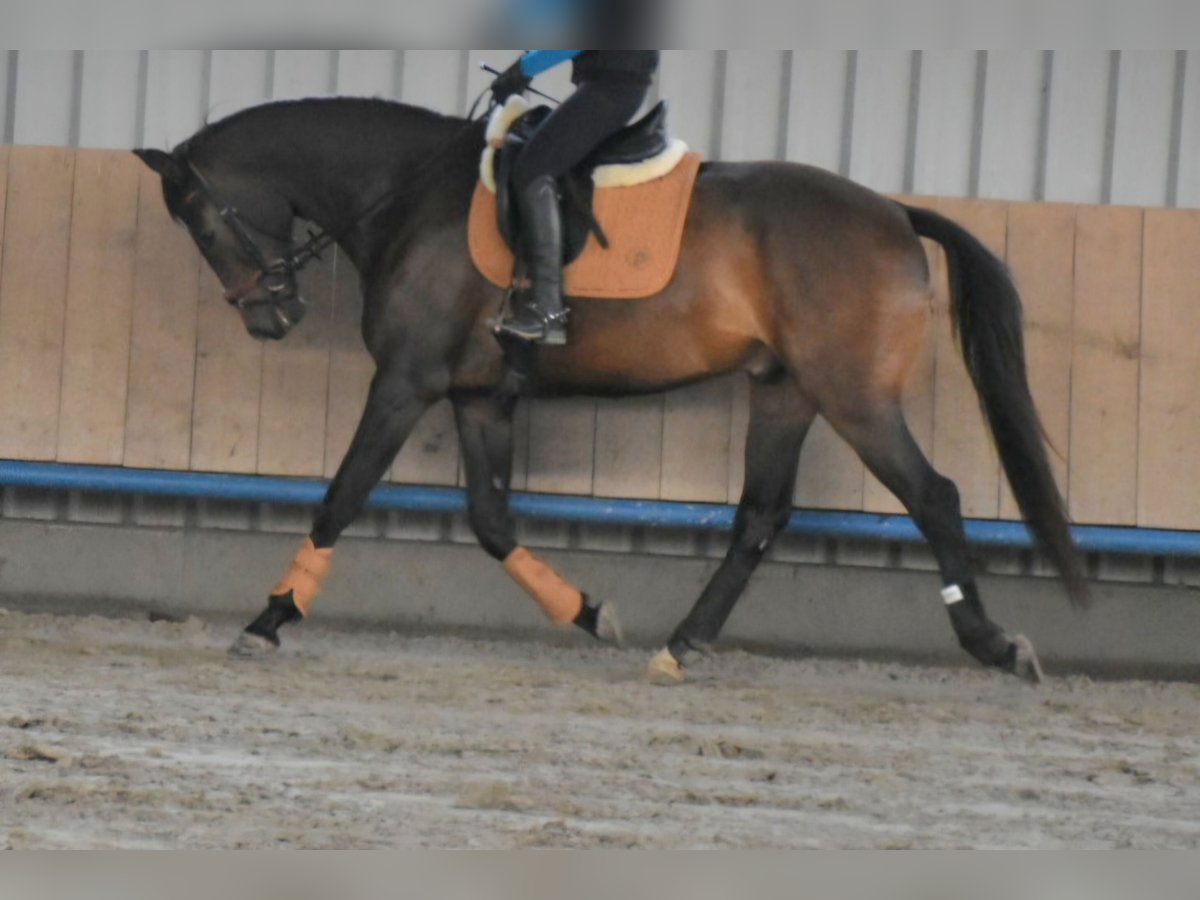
(510, 82)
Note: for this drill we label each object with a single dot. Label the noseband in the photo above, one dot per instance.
(274, 275)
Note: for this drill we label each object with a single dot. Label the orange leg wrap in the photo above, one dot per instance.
(305, 576)
(561, 602)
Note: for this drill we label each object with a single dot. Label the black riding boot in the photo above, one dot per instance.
(540, 315)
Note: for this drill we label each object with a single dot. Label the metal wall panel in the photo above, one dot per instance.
(1088, 126)
(945, 123)
(45, 98)
(1077, 126)
(1143, 127)
(112, 98)
(1188, 103)
(8, 66)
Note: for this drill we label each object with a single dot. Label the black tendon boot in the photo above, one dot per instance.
(541, 316)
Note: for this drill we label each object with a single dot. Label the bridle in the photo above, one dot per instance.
(275, 275)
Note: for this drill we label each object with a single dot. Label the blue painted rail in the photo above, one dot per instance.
(590, 510)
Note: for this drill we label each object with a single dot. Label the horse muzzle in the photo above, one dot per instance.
(274, 316)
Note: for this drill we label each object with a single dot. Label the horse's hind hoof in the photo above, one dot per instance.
(252, 646)
(665, 669)
(1026, 665)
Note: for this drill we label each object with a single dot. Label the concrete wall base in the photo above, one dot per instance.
(790, 608)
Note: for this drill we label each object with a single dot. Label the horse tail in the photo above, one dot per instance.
(985, 310)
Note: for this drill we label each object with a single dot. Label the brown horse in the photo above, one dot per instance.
(814, 286)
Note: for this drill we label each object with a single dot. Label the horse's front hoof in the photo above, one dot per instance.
(601, 622)
(253, 646)
(608, 625)
(665, 669)
(1025, 664)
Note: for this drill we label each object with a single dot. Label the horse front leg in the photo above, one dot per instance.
(394, 406)
(486, 435)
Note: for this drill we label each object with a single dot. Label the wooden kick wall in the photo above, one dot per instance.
(117, 349)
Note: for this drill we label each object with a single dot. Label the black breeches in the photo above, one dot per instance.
(596, 111)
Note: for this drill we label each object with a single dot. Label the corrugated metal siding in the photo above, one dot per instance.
(1087, 126)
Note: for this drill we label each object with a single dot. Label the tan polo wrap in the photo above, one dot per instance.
(561, 602)
(305, 575)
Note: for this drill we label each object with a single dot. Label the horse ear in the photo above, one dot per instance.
(163, 163)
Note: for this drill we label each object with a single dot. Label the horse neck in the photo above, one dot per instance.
(347, 166)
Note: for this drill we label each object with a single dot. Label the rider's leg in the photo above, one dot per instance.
(595, 111)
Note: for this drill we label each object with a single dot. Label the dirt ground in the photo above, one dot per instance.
(128, 733)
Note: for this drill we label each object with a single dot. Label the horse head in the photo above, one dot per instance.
(243, 230)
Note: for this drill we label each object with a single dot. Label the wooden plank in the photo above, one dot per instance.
(1104, 365)
(561, 446)
(350, 366)
(295, 384)
(228, 386)
(695, 457)
(99, 317)
(831, 474)
(629, 443)
(162, 358)
(521, 430)
(4, 154)
(919, 392)
(33, 299)
(1041, 254)
(962, 445)
(739, 427)
(1168, 489)
(430, 455)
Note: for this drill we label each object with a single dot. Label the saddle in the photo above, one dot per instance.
(645, 139)
(631, 195)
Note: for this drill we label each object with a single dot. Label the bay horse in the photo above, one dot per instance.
(816, 287)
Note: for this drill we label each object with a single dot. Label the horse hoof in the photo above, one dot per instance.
(1026, 665)
(665, 669)
(608, 625)
(252, 646)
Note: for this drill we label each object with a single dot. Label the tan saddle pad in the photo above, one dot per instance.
(644, 226)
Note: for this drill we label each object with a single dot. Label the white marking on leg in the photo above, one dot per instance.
(953, 594)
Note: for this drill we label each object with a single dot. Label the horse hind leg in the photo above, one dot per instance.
(779, 421)
(886, 445)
